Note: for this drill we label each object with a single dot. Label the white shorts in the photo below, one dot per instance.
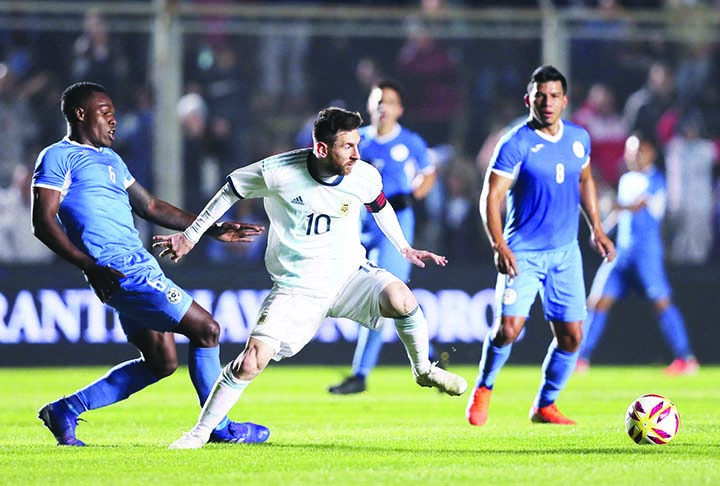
(289, 318)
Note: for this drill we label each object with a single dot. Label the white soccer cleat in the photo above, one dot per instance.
(188, 441)
(444, 381)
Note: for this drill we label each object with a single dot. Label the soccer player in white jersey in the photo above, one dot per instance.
(313, 198)
(542, 168)
(82, 208)
(638, 213)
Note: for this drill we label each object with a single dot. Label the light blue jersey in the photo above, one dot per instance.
(94, 209)
(399, 156)
(96, 214)
(639, 263)
(639, 233)
(543, 204)
(542, 220)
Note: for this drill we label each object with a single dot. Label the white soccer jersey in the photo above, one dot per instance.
(314, 235)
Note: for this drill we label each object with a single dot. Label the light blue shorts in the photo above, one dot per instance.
(556, 275)
(628, 273)
(147, 299)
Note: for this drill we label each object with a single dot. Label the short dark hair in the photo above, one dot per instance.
(389, 84)
(332, 120)
(76, 96)
(644, 137)
(544, 74)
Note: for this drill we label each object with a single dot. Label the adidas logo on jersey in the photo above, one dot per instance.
(298, 200)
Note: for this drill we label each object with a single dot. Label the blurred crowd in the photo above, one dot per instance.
(246, 97)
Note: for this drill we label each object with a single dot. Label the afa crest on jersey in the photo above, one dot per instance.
(344, 208)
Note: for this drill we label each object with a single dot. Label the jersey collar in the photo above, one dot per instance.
(96, 149)
(325, 181)
(389, 136)
(551, 138)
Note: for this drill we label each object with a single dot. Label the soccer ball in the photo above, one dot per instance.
(652, 419)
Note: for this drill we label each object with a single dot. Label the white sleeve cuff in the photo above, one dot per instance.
(214, 210)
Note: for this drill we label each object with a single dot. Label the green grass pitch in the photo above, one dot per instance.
(396, 433)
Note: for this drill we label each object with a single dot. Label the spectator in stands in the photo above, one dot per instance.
(96, 58)
(430, 71)
(226, 89)
(17, 243)
(461, 227)
(135, 135)
(644, 107)
(134, 143)
(201, 168)
(690, 159)
(282, 57)
(18, 123)
(600, 117)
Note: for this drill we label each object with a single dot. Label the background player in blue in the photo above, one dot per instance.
(638, 213)
(83, 199)
(542, 167)
(401, 157)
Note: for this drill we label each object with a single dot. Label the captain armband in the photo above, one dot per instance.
(379, 203)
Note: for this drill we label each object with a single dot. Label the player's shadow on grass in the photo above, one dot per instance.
(610, 451)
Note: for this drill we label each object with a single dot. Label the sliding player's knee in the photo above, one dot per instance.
(161, 366)
(570, 342)
(208, 336)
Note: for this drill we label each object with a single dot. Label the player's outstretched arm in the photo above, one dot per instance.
(168, 216)
(388, 223)
(235, 231)
(419, 257)
(157, 211)
(178, 245)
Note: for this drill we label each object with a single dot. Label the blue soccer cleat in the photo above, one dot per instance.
(246, 432)
(62, 422)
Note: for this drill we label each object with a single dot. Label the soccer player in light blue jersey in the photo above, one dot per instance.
(313, 198)
(401, 157)
(83, 203)
(542, 169)
(638, 213)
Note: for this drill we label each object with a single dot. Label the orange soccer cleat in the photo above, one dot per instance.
(582, 366)
(549, 415)
(681, 366)
(477, 408)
